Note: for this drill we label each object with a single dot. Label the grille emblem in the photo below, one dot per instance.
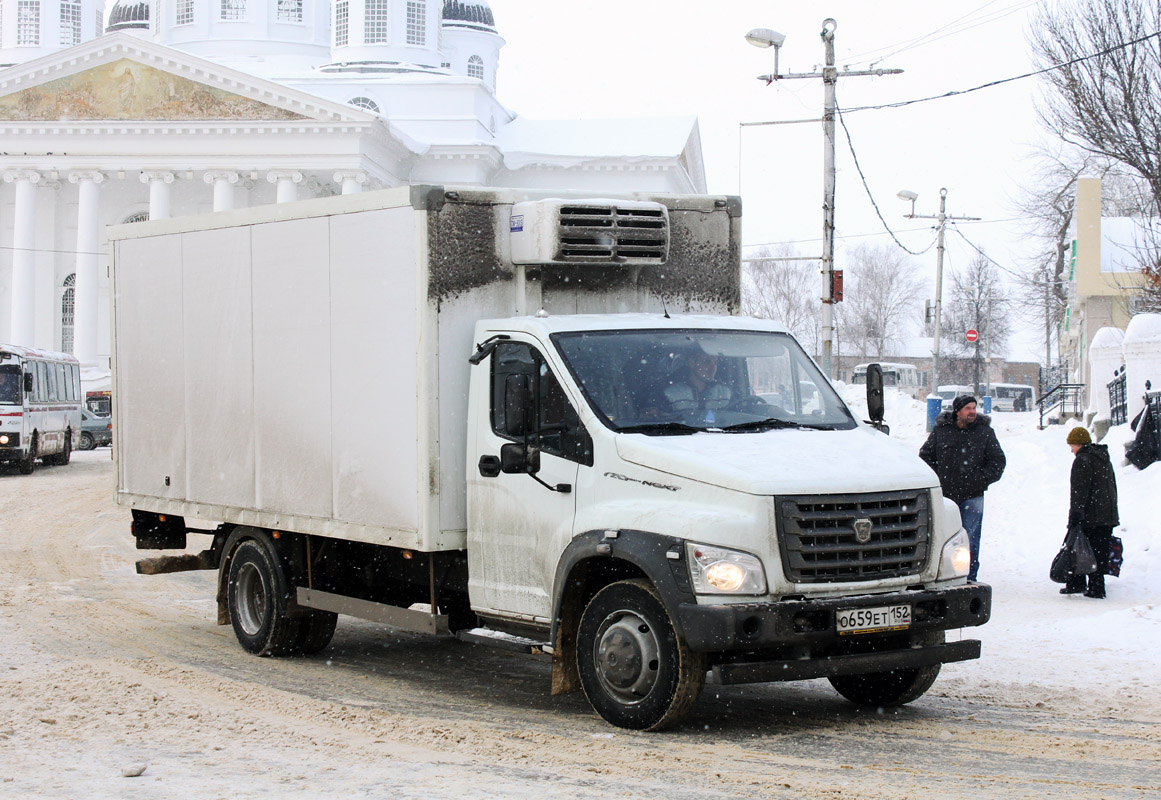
(862, 531)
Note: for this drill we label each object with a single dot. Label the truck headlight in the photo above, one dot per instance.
(715, 570)
(3, 438)
(956, 558)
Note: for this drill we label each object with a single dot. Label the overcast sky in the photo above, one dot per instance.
(633, 58)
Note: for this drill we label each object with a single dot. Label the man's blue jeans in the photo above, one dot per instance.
(971, 513)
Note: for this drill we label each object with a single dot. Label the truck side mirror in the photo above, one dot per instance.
(517, 405)
(875, 395)
(27, 382)
(517, 458)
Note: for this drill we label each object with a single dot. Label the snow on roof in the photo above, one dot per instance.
(528, 142)
(1125, 242)
(1143, 328)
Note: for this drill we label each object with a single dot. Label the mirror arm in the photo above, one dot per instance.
(563, 488)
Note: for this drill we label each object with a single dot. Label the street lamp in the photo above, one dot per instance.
(765, 37)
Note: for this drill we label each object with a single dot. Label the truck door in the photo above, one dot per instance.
(519, 523)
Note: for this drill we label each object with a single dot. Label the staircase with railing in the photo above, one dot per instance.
(1057, 396)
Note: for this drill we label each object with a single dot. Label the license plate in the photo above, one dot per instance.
(869, 620)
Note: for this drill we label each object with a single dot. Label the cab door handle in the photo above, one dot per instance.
(489, 466)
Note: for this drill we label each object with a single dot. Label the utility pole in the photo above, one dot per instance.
(942, 219)
(764, 37)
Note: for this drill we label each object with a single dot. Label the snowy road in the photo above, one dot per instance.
(102, 670)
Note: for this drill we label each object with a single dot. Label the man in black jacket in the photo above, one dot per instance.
(1092, 506)
(965, 454)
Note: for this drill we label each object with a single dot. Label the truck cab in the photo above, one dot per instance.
(665, 496)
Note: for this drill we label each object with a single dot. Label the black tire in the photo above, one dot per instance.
(28, 463)
(87, 442)
(62, 458)
(636, 672)
(886, 689)
(315, 632)
(258, 595)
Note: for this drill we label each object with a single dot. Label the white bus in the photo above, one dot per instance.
(1012, 397)
(903, 377)
(40, 406)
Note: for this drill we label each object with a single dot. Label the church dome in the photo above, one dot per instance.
(128, 15)
(470, 14)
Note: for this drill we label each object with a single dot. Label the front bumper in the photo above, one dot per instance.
(795, 639)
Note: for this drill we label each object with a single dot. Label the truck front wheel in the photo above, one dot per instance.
(258, 595)
(635, 670)
(894, 688)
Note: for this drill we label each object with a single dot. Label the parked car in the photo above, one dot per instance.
(96, 430)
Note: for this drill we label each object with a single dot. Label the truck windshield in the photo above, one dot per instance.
(673, 382)
(10, 380)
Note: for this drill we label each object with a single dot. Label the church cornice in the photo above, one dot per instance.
(115, 46)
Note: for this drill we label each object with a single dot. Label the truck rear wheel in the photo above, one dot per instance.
(894, 688)
(315, 632)
(635, 670)
(258, 595)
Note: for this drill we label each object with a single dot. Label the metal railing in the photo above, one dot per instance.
(1119, 398)
(1065, 396)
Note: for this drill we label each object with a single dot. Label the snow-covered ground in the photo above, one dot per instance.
(104, 672)
(1100, 655)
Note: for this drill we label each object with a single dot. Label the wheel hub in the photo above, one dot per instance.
(627, 656)
(251, 599)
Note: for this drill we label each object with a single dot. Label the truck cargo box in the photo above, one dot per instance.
(302, 366)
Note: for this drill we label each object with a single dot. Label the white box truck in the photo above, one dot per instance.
(525, 420)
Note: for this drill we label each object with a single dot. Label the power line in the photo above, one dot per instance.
(953, 28)
(1001, 81)
(871, 197)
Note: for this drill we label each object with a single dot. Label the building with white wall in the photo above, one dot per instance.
(186, 106)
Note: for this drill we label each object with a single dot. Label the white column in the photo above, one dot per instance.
(352, 181)
(23, 256)
(223, 181)
(287, 181)
(85, 291)
(159, 182)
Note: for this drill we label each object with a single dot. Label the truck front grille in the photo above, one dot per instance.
(825, 538)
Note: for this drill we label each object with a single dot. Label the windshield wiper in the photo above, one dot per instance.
(661, 427)
(771, 423)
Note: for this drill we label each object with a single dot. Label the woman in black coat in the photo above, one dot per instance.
(1093, 507)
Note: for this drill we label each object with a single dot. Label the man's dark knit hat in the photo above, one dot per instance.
(961, 401)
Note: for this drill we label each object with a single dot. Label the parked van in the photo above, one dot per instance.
(1012, 397)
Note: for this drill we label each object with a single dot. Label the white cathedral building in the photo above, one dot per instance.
(177, 107)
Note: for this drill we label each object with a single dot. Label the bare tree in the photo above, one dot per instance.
(978, 302)
(1104, 76)
(784, 290)
(881, 295)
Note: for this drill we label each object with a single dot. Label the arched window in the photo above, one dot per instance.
(290, 10)
(28, 22)
(416, 22)
(377, 23)
(476, 67)
(70, 23)
(342, 23)
(365, 103)
(233, 9)
(185, 12)
(140, 216)
(67, 307)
